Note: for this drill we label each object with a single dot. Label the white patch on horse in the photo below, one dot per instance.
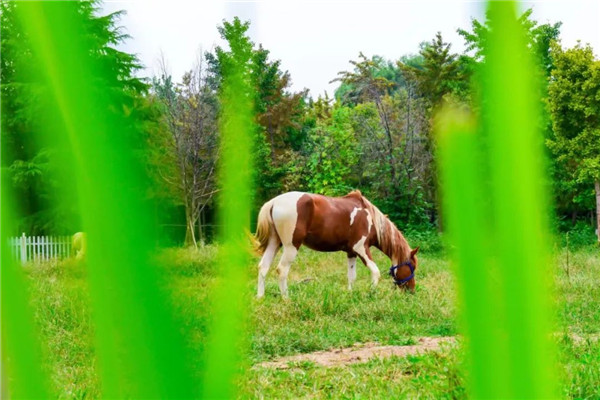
(353, 214)
(360, 249)
(370, 219)
(285, 215)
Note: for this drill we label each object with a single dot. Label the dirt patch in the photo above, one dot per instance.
(359, 353)
(583, 338)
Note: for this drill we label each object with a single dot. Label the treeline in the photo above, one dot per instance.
(375, 134)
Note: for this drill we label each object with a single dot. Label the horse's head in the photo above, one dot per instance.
(404, 273)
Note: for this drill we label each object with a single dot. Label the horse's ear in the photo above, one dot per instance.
(414, 251)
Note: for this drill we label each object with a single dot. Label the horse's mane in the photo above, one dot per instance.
(391, 240)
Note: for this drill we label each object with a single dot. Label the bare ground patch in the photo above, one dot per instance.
(358, 353)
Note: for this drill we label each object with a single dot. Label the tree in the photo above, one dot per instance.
(351, 91)
(390, 123)
(190, 110)
(370, 87)
(539, 38)
(279, 113)
(437, 74)
(574, 100)
(30, 164)
(332, 154)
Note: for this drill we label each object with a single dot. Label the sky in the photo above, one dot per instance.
(316, 39)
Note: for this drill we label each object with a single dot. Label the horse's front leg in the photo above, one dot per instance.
(351, 271)
(364, 253)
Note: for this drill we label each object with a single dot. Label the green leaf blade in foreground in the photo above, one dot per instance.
(466, 211)
(22, 375)
(496, 209)
(140, 349)
(235, 180)
(520, 206)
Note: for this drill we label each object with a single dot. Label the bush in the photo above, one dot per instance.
(429, 240)
(581, 235)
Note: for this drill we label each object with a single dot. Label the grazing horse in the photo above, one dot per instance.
(351, 224)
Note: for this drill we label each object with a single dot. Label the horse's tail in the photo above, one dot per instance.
(264, 224)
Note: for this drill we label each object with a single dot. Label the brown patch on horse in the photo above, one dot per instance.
(324, 222)
(355, 194)
(305, 209)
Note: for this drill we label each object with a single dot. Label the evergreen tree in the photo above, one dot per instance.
(438, 74)
(29, 165)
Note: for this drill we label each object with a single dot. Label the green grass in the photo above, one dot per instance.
(321, 314)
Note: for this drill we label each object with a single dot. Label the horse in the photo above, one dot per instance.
(350, 223)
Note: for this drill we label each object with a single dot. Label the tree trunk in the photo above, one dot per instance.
(190, 225)
(201, 228)
(597, 184)
(388, 132)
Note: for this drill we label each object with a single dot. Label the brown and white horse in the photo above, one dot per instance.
(350, 224)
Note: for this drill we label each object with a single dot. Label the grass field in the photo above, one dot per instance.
(323, 314)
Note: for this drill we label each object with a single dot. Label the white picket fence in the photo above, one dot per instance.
(39, 248)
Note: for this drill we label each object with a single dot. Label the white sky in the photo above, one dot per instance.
(316, 39)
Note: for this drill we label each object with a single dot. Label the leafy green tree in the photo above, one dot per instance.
(353, 89)
(332, 154)
(389, 120)
(367, 82)
(371, 87)
(438, 75)
(279, 113)
(574, 100)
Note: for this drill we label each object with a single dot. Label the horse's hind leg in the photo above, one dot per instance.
(291, 214)
(288, 256)
(265, 263)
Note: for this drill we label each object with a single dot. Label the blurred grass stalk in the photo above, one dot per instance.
(139, 348)
(21, 373)
(236, 124)
(496, 211)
